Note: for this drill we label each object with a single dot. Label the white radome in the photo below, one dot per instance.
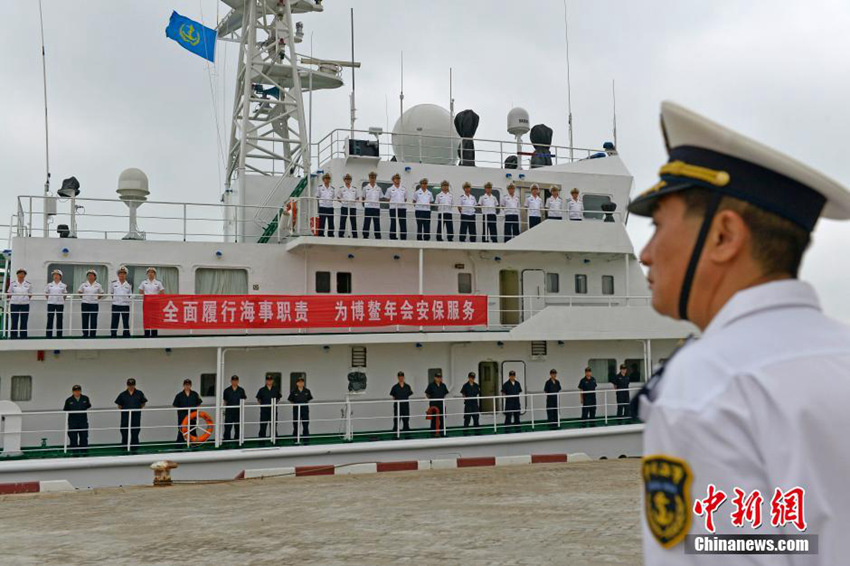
(411, 141)
(133, 184)
(518, 122)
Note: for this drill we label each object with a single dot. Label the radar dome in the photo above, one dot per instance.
(426, 134)
(133, 184)
(518, 122)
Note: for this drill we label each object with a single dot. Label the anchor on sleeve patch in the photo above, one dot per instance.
(667, 496)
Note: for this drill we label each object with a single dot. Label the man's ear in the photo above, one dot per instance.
(728, 238)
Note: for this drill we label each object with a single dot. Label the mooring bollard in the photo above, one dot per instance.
(162, 472)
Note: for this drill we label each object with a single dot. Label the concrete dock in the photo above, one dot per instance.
(576, 513)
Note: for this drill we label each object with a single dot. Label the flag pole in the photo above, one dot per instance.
(46, 131)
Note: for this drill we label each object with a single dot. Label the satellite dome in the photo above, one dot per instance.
(518, 122)
(412, 141)
(133, 184)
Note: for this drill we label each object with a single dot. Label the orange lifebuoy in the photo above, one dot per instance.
(195, 416)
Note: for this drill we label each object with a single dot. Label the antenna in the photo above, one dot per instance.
(451, 104)
(401, 94)
(46, 131)
(353, 107)
(569, 93)
(614, 98)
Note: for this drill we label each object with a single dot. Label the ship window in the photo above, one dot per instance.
(464, 283)
(358, 356)
(21, 388)
(276, 376)
(208, 384)
(214, 281)
(553, 283)
(343, 282)
(607, 284)
(74, 275)
(593, 205)
(323, 281)
(293, 377)
(581, 284)
(635, 368)
(603, 369)
(434, 371)
(166, 275)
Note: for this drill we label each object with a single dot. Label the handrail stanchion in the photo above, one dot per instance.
(558, 408)
(605, 397)
(444, 416)
(241, 421)
(129, 428)
(298, 424)
(184, 221)
(274, 422)
(495, 422)
(531, 409)
(65, 438)
(132, 313)
(188, 434)
(397, 419)
(349, 426)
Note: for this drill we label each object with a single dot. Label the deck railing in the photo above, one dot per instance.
(504, 312)
(46, 433)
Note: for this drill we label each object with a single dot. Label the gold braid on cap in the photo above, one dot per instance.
(682, 169)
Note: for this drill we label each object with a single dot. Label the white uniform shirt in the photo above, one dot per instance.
(510, 204)
(533, 204)
(56, 293)
(467, 204)
(148, 287)
(20, 292)
(575, 208)
(444, 201)
(758, 402)
(422, 200)
(90, 292)
(349, 195)
(326, 196)
(397, 196)
(554, 207)
(120, 292)
(488, 203)
(372, 195)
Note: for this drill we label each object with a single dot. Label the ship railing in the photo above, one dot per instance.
(306, 220)
(442, 149)
(48, 433)
(503, 312)
(107, 219)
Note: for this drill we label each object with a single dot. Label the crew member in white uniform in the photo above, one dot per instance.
(510, 208)
(372, 196)
(444, 201)
(326, 194)
(575, 206)
(759, 401)
(121, 292)
(397, 195)
(422, 199)
(55, 292)
(348, 197)
(533, 204)
(91, 292)
(468, 202)
(488, 202)
(20, 295)
(151, 286)
(554, 205)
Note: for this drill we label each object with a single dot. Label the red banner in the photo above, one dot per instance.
(312, 311)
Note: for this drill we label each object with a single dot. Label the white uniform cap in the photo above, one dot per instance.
(92, 272)
(55, 271)
(150, 269)
(122, 268)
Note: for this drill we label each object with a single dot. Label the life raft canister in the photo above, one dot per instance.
(195, 417)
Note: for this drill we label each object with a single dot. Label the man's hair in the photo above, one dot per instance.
(778, 244)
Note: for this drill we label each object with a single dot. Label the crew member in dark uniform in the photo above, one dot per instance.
(131, 400)
(437, 393)
(401, 392)
(471, 392)
(588, 396)
(622, 383)
(78, 422)
(185, 400)
(511, 390)
(552, 387)
(233, 396)
(300, 396)
(267, 395)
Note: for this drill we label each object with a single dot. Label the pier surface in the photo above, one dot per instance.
(577, 513)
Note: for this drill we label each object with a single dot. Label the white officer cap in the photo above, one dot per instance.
(535, 186)
(488, 184)
(122, 268)
(423, 180)
(467, 184)
(56, 271)
(396, 176)
(91, 272)
(326, 176)
(444, 183)
(372, 174)
(706, 155)
(347, 176)
(148, 270)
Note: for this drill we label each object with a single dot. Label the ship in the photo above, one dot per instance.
(254, 287)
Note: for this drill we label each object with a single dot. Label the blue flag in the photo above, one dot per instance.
(193, 36)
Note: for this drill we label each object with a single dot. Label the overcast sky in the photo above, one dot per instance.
(122, 95)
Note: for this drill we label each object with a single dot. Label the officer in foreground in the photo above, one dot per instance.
(78, 420)
(732, 220)
(131, 402)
